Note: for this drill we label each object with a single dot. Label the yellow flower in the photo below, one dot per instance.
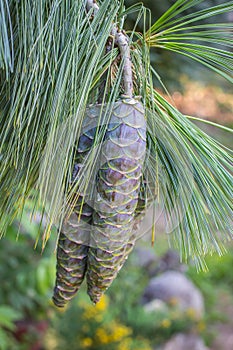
(89, 313)
(125, 344)
(95, 311)
(102, 336)
(86, 342)
(191, 313)
(120, 331)
(102, 304)
(113, 333)
(166, 323)
(201, 326)
(99, 318)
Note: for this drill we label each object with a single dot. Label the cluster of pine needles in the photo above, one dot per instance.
(53, 59)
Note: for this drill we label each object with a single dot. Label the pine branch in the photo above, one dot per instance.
(121, 40)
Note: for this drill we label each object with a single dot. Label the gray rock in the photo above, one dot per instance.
(145, 257)
(174, 286)
(185, 342)
(169, 261)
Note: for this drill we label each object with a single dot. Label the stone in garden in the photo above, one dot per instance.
(169, 261)
(145, 257)
(185, 342)
(173, 286)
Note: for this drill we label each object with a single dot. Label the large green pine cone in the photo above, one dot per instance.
(118, 186)
(120, 174)
(73, 243)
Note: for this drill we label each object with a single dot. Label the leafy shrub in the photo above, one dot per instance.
(85, 326)
(27, 277)
(119, 321)
(8, 316)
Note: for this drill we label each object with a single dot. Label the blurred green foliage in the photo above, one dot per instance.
(218, 277)
(8, 316)
(157, 325)
(216, 287)
(120, 321)
(159, 7)
(27, 277)
(218, 270)
(84, 325)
